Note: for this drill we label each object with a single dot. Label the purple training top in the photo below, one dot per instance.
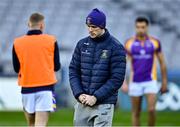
(143, 65)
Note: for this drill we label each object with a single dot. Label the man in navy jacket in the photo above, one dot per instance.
(96, 72)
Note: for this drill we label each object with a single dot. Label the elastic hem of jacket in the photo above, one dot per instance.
(77, 96)
(99, 103)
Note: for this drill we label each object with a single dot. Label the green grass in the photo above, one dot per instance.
(64, 117)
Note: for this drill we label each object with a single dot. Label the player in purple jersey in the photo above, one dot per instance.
(142, 51)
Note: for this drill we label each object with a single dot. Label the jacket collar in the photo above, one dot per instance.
(34, 32)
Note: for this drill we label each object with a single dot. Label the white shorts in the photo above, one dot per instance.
(39, 101)
(141, 88)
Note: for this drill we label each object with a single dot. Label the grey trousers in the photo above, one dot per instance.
(98, 116)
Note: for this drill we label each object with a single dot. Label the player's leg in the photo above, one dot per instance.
(151, 101)
(28, 107)
(30, 118)
(41, 119)
(136, 93)
(136, 110)
(44, 101)
(151, 89)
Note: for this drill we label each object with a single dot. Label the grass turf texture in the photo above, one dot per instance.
(64, 117)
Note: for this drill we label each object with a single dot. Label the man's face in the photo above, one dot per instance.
(94, 31)
(141, 28)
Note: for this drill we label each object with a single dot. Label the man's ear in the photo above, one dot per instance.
(29, 24)
(42, 25)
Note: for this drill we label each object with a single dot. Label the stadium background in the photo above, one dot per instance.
(66, 20)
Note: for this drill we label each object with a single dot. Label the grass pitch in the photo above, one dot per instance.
(64, 117)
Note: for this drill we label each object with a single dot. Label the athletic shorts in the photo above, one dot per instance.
(39, 101)
(141, 88)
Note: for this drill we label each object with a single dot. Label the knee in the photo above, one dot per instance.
(151, 110)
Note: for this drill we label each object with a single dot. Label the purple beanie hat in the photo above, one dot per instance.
(97, 18)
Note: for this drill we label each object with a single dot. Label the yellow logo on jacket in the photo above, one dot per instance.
(104, 54)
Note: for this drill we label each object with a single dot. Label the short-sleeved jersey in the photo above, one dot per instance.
(143, 58)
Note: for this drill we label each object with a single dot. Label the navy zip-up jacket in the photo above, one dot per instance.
(98, 68)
